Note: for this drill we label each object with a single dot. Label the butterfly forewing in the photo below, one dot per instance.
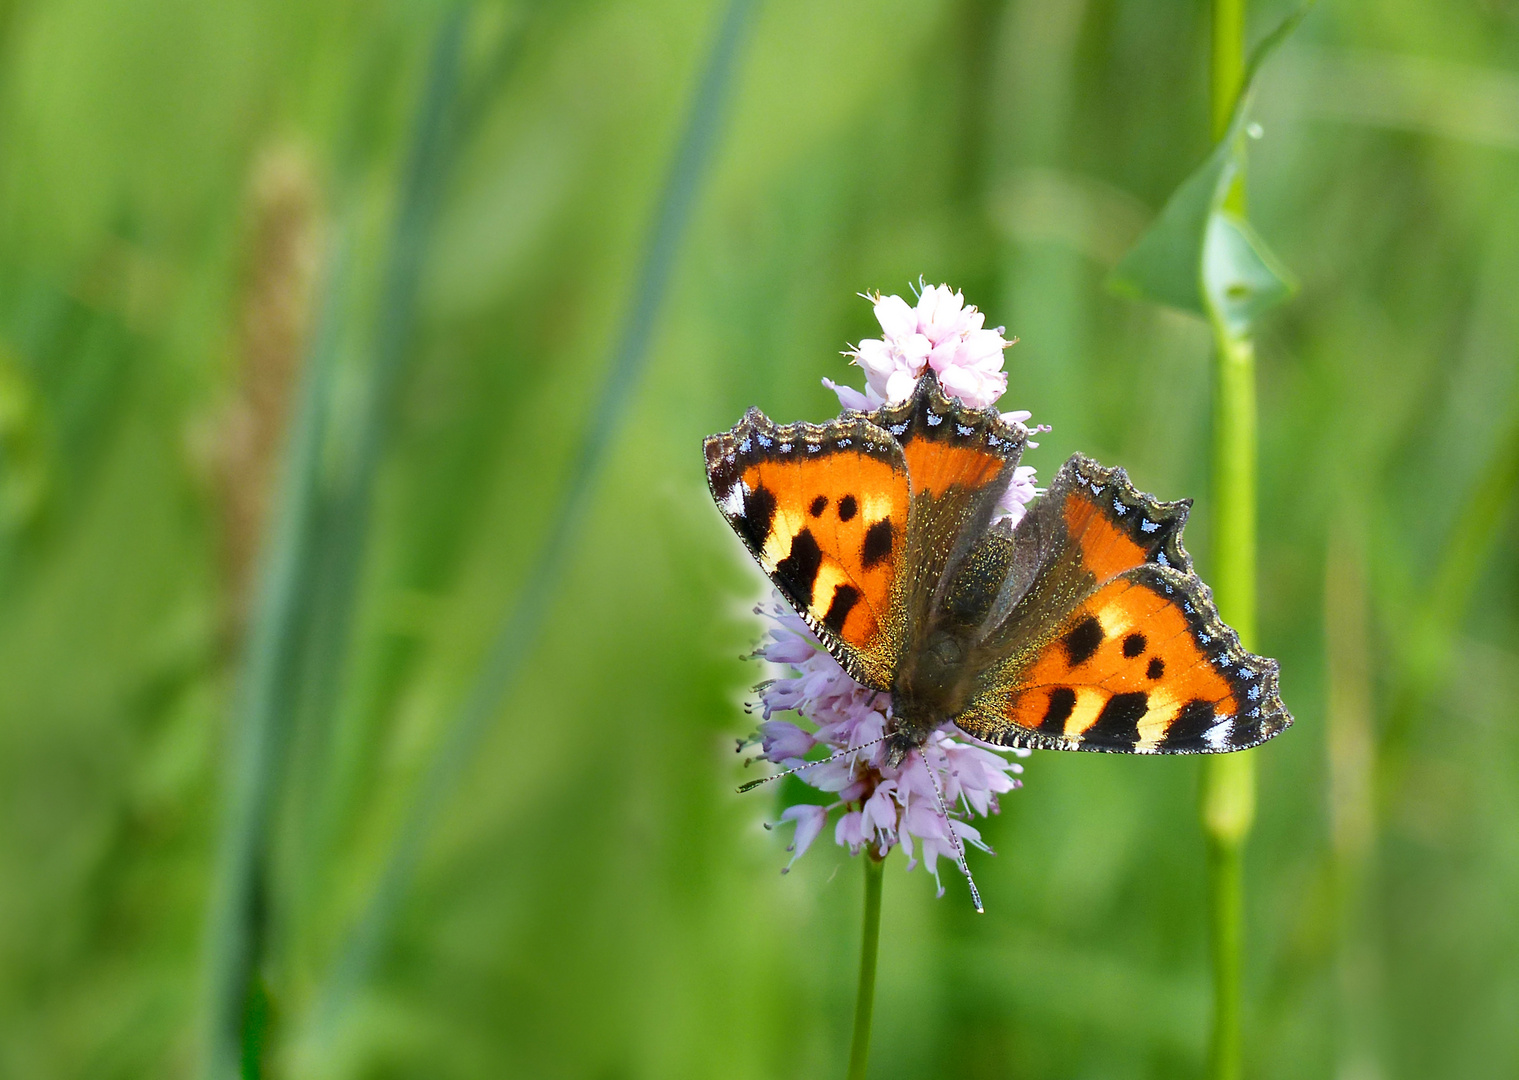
(824, 510)
(959, 461)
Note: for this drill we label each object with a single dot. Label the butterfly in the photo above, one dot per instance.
(1083, 627)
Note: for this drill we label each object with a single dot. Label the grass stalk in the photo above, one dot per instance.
(521, 624)
(261, 718)
(297, 583)
(344, 530)
(1228, 790)
(1434, 626)
(1352, 812)
(865, 995)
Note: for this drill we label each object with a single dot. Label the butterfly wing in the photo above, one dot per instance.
(824, 510)
(1098, 635)
(960, 461)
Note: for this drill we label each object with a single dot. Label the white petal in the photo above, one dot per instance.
(877, 357)
(849, 397)
(943, 354)
(809, 823)
(915, 349)
(900, 386)
(897, 319)
(939, 312)
(983, 348)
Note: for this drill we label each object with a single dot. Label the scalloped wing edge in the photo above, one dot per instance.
(1169, 518)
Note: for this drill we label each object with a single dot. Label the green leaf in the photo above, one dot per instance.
(1241, 278)
(1162, 266)
(1198, 256)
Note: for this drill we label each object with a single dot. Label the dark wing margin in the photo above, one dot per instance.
(1153, 526)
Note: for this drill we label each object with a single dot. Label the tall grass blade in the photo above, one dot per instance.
(522, 623)
(261, 720)
(1473, 536)
(1352, 809)
(313, 555)
(345, 514)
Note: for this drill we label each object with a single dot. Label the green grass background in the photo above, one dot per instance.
(592, 899)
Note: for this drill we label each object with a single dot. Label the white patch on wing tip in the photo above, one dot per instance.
(1217, 736)
(733, 502)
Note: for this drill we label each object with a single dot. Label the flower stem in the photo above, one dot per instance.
(1228, 793)
(870, 937)
(1227, 889)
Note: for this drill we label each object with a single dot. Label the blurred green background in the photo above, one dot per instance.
(231, 227)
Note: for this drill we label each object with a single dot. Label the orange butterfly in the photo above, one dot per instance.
(1082, 628)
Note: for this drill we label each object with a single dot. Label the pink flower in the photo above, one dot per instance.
(810, 820)
(883, 806)
(886, 806)
(1014, 502)
(941, 332)
(944, 333)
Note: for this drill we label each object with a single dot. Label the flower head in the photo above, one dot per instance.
(882, 805)
(941, 332)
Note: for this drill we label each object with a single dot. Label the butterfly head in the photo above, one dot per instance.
(899, 744)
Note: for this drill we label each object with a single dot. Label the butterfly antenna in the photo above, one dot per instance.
(954, 838)
(752, 784)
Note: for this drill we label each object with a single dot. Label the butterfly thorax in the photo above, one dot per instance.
(935, 684)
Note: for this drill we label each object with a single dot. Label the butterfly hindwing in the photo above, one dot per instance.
(824, 510)
(1111, 642)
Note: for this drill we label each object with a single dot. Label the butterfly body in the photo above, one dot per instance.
(1084, 627)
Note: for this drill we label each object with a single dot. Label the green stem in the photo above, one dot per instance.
(1228, 65)
(870, 937)
(1234, 457)
(1226, 868)
(1228, 794)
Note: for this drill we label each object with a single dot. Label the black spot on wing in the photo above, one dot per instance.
(1256, 708)
(848, 508)
(758, 517)
(1118, 723)
(1082, 642)
(1062, 702)
(1189, 727)
(845, 597)
(878, 539)
(799, 569)
(1157, 668)
(818, 506)
(1134, 644)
